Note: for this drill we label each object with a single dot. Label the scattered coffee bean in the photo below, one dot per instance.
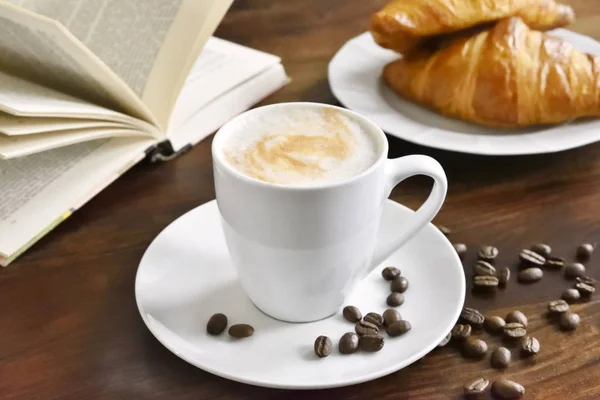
(584, 289)
(484, 268)
(569, 321)
(531, 257)
(366, 328)
(472, 316)
(446, 231)
(507, 390)
(216, 324)
(494, 324)
(461, 249)
(514, 330)
(587, 280)
(530, 345)
(517, 316)
(395, 299)
(323, 346)
(487, 253)
(352, 314)
(474, 347)
(461, 332)
(500, 357)
(445, 340)
(485, 281)
(398, 328)
(390, 316)
(374, 318)
(584, 252)
(558, 306)
(574, 270)
(542, 249)
(503, 276)
(390, 273)
(400, 284)
(348, 343)
(477, 388)
(371, 343)
(240, 331)
(571, 295)
(530, 275)
(555, 262)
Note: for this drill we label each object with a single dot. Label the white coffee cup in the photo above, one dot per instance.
(300, 250)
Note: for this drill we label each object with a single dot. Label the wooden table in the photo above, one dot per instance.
(70, 328)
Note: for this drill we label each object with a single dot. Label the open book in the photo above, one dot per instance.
(90, 88)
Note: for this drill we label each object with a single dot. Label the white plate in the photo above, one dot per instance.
(354, 78)
(186, 276)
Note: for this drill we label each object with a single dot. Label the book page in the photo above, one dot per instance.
(38, 191)
(11, 125)
(149, 44)
(41, 50)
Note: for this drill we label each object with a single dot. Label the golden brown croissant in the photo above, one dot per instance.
(507, 76)
(406, 25)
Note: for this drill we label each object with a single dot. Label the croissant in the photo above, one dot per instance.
(507, 76)
(406, 25)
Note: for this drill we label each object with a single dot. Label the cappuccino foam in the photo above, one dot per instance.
(301, 146)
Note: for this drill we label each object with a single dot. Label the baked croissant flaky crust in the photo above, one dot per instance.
(405, 25)
(508, 76)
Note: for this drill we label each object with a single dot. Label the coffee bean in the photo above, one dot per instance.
(445, 340)
(484, 268)
(587, 280)
(503, 276)
(558, 306)
(531, 257)
(584, 252)
(348, 343)
(569, 321)
(584, 289)
(398, 328)
(400, 284)
(472, 316)
(516, 316)
(487, 253)
(494, 324)
(530, 345)
(374, 318)
(390, 273)
(477, 388)
(461, 249)
(446, 231)
(390, 316)
(371, 343)
(323, 346)
(485, 281)
(352, 314)
(461, 332)
(474, 347)
(571, 295)
(500, 357)
(542, 249)
(395, 299)
(366, 328)
(216, 324)
(530, 275)
(574, 270)
(240, 331)
(514, 330)
(507, 390)
(555, 262)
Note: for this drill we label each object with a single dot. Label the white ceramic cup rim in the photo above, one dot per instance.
(367, 124)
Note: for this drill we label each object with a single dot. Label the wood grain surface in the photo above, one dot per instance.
(69, 327)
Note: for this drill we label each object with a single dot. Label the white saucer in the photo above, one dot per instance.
(355, 79)
(185, 276)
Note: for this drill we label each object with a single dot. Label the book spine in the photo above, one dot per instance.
(163, 151)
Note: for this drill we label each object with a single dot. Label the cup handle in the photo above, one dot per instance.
(396, 171)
